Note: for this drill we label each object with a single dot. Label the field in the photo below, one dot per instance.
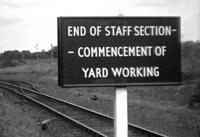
(171, 110)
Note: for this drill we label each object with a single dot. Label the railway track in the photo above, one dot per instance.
(95, 123)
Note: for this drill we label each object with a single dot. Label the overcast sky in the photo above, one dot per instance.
(23, 23)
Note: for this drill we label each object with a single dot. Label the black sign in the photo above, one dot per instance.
(118, 51)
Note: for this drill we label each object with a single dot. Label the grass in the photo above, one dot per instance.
(165, 109)
(14, 123)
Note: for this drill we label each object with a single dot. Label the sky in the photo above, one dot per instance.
(25, 23)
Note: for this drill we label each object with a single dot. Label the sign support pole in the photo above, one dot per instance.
(121, 112)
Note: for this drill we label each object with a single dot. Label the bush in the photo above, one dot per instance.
(9, 63)
(191, 49)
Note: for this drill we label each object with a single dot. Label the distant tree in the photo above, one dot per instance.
(54, 50)
(191, 49)
(15, 54)
(55, 53)
(6, 54)
(188, 43)
(26, 54)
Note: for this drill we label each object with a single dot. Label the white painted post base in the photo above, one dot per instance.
(121, 113)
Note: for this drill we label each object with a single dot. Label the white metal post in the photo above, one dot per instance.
(121, 113)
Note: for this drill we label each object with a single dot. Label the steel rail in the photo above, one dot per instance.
(130, 125)
(75, 122)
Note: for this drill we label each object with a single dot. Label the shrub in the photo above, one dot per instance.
(9, 63)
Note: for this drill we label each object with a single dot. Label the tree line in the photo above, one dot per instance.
(26, 54)
(189, 49)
